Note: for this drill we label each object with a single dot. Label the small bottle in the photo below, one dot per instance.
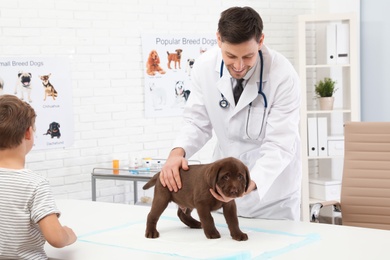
(134, 164)
(158, 165)
(115, 166)
(146, 163)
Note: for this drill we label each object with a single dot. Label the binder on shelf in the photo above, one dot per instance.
(312, 137)
(331, 43)
(322, 131)
(342, 43)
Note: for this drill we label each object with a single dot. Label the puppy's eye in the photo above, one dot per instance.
(240, 177)
(226, 177)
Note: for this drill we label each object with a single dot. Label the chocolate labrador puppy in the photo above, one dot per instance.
(229, 174)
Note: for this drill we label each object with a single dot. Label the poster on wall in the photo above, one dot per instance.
(45, 84)
(168, 60)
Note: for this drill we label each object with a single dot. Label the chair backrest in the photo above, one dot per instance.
(365, 192)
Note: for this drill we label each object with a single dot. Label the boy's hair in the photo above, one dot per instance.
(16, 116)
(240, 24)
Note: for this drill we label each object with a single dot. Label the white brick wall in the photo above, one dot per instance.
(102, 38)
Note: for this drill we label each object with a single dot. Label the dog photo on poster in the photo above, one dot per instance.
(168, 60)
(45, 84)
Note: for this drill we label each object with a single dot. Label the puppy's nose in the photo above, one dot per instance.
(233, 192)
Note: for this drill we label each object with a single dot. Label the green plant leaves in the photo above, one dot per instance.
(325, 88)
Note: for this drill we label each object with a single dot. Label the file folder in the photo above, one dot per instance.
(331, 51)
(312, 137)
(342, 43)
(322, 131)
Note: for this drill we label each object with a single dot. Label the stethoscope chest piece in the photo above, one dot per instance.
(224, 103)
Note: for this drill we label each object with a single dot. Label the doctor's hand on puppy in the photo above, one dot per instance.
(170, 172)
(221, 197)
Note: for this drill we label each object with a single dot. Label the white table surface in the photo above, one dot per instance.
(116, 231)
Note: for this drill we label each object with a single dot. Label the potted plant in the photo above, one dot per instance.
(324, 90)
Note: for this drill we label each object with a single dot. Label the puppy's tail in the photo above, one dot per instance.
(151, 182)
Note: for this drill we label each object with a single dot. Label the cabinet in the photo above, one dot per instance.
(328, 47)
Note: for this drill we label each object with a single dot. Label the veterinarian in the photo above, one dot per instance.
(261, 129)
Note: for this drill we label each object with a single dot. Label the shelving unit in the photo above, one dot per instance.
(322, 168)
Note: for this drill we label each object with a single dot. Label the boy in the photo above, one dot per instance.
(28, 214)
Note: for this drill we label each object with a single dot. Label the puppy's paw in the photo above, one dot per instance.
(240, 236)
(212, 235)
(151, 233)
(195, 224)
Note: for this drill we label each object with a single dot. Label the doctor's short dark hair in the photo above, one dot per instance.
(16, 116)
(240, 24)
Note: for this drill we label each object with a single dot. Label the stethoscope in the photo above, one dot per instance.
(223, 103)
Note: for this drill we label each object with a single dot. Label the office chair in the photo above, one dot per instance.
(365, 187)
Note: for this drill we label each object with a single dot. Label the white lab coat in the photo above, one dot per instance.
(273, 158)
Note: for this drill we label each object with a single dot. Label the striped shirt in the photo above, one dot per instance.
(25, 198)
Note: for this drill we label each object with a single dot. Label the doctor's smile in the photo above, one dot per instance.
(238, 74)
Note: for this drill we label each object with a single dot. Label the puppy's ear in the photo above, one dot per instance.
(211, 174)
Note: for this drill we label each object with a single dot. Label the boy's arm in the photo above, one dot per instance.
(56, 234)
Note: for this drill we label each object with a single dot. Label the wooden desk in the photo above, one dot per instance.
(123, 175)
(116, 231)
